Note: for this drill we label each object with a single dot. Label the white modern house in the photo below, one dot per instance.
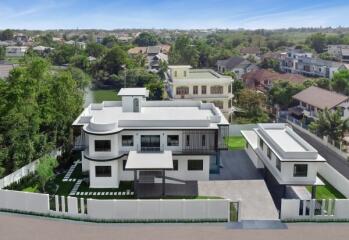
(149, 141)
(16, 51)
(204, 85)
(284, 155)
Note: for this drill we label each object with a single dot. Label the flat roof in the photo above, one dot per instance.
(251, 138)
(202, 74)
(285, 140)
(133, 92)
(158, 160)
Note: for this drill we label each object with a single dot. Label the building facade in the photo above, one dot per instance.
(203, 85)
(16, 51)
(149, 141)
(339, 52)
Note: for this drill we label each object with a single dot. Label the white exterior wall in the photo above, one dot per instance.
(114, 152)
(253, 156)
(104, 182)
(127, 103)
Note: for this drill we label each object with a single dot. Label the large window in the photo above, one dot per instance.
(269, 153)
(182, 90)
(300, 170)
(175, 165)
(278, 164)
(150, 143)
(261, 143)
(203, 140)
(203, 90)
(217, 90)
(195, 165)
(103, 171)
(102, 145)
(195, 90)
(172, 140)
(127, 140)
(187, 140)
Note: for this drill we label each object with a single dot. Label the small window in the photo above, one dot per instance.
(300, 170)
(187, 140)
(195, 90)
(261, 143)
(127, 140)
(278, 164)
(203, 140)
(102, 145)
(172, 140)
(269, 153)
(195, 165)
(103, 171)
(175, 73)
(175, 165)
(203, 89)
(124, 164)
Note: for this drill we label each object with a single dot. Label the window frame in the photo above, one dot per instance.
(175, 165)
(122, 140)
(103, 173)
(172, 145)
(203, 90)
(101, 148)
(297, 173)
(195, 168)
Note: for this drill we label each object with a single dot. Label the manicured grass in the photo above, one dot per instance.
(327, 191)
(31, 189)
(101, 95)
(235, 142)
(191, 197)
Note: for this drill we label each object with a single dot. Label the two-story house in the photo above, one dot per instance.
(238, 65)
(286, 158)
(314, 99)
(204, 85)
(339, 52)
(149, 141)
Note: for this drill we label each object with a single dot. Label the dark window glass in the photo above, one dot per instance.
(278, 164)
(261, 143)
(150, 143)
(187, 140)
(103, 171)
(195, 90)
(203, 140)
(102, 145)
(175, 165)
(203, 89)
(127, 141)
(195, 165)
(172, 140)
(300, 170)
(269, 153)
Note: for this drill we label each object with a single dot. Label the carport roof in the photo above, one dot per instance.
(150, 161)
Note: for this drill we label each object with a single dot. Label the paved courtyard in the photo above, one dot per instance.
(239, 180)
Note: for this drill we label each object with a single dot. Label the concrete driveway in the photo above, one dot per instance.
(240, 181)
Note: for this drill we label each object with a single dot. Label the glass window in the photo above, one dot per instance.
(278, 164)
(175, 165)
(187, 140)
(103, 171)
(195, 165)
(182, 90)
(216, 89)
(172, 140)
(261, 143)
(150, 142)
(195, 90)
(102, 145)
(269, 153)
(127, 140)
(203, 89)
(300, 170)
(203, 140)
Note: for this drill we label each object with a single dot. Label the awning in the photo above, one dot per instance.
(149, 161)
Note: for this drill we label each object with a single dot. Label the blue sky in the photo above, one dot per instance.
(182, 14)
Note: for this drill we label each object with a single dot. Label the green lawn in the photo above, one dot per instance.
(235, 142)
(327, 191)
(104, 95)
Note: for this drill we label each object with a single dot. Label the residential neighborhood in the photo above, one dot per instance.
(174, 119)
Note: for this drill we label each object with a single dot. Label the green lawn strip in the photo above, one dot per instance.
(327, 191)
(191, 197)
(64, 188)
(77, 173)
(235, 142)
(101, 95)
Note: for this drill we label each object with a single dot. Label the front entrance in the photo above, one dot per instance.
(148, 176)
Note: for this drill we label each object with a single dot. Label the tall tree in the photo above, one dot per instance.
(146, 39)
(317, 42)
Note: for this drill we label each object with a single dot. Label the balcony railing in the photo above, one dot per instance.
(141, 148)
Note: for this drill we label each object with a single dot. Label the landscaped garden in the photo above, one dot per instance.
(100, 95)
(235, 142)
(327, 191)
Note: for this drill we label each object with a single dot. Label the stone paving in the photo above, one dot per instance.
(119, 193)
(70, 172)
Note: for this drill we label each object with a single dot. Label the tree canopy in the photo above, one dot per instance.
(146, 39)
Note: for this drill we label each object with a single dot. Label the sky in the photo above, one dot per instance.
(172, 14)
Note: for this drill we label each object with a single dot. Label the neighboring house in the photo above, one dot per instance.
(314, 99)
(149, 141)
(200, 84)
(238, 65)
(154, 55)
(5, 70)
(80, 45)
(340, 52)
(254, 52)
(263, 79)
(16, 51)
(297, 61)
(284, 156)
(42, 50)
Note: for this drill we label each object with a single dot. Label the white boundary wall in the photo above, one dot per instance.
(217, 209)
(24, 201)
(337, 209)
(336, 179)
